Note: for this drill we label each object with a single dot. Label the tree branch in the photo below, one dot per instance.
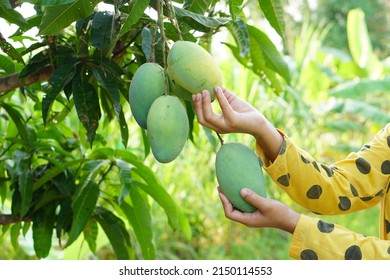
(12, 81)
(7, 219)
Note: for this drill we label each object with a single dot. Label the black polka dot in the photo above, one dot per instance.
(305, 160)
(308, 254)
(353, 253)
(284, 180)
(380, 193)
(354, 190)
(385, 168)
(325, 227)
(387, 226)
(366, 198)
(314, 192)
(345, 203)
(327, 169)
(316, 166)
(388, 250)
(283, 148)
(365, 147)
(363, 165)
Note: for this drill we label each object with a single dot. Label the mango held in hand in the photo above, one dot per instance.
(147, 84)
(168, 128)
(192, 68)
(238, 167)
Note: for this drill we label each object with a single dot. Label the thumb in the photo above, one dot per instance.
(252, 197)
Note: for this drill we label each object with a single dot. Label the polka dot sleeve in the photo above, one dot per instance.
(315, 239)
(354, 183)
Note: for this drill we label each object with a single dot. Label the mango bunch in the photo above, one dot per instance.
(190, 69)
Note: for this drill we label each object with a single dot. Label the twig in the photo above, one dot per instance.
(163, 41)
(168, 3)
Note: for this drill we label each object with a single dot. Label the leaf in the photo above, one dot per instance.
(274, 13)
(125, 177)
(87, 105)
(36, 63)
(10, 15)
(103, 31)
(17, 118)
(15, 232)
(359, 89)
(42, 229)
(197, 6)
(113, 93)
(240, 33)
(200, 22)
(360, 44)
(271, 57)
(25, 182)
(7, 48)
(147, 42)
(116, 232)
(60, 16)
(235, 8)
(55, 2)
(83, 206)
(91, 234)
(139, 217)
(6, 65)
(60, 77)
(137, 10)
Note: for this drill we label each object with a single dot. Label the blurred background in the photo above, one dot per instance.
(331, 108)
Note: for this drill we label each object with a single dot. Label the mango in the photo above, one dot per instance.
(193, 68)
(237, 167)
(147, 84)
(168, 128)
(179, 91)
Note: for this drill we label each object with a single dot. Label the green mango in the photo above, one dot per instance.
(238, 167)
(179, 91)
(147, 84)
(168, 128)
(193, 68)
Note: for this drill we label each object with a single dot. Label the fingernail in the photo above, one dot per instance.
(244, 192)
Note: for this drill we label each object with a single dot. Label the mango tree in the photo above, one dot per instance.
(69, 58)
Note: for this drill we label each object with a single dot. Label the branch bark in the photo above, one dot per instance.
(12, 81)
(6, 219)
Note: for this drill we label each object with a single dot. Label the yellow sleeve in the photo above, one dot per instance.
(354, 183)
(314, 239)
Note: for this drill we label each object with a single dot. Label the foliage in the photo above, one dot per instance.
(75, 169)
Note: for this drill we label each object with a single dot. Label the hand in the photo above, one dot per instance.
(269, 213)
(237, 115)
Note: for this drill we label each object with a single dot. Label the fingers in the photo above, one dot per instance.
(204, 110)
(253, 198)
(222, 95)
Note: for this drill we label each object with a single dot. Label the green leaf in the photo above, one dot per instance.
(235, 8)
(197, 6)
(147, 42)
(6, 65)
(274, 13)
(116, 232)
(10, 15)
(137, 10)
(83, 206)
(363, 109)
(15, 232)
(103, 31)
(198, 21)
(36, 63)
(360, 89)
(125, 177)
(140, 219)
(17, 118)
(61, 16)
(60, 77)
(240, 33)
(42, 229)
(25, 182)
(55, 2)
(87, 105)
(112, 91)
(360, 44)
(271, 58)
(7, 48)
(91, 233)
